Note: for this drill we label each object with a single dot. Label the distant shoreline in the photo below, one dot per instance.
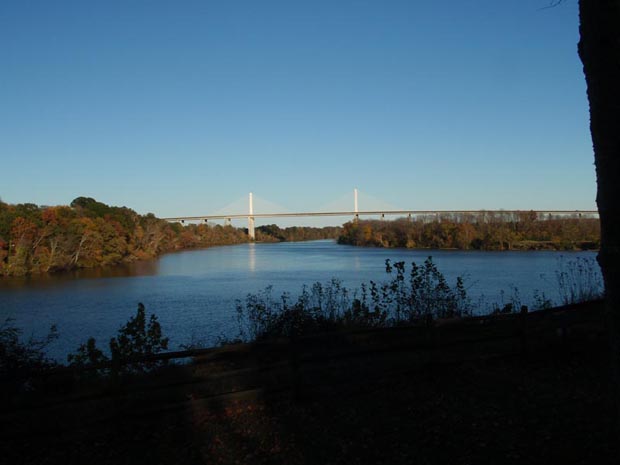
(514, 249)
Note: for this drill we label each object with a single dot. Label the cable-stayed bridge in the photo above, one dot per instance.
(355, 214)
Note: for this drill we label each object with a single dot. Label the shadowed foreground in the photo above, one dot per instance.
(506, 389)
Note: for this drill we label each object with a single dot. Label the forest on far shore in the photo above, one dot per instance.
(87, 234)
(482, 231)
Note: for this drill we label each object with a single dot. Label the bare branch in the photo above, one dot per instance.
(552, 4)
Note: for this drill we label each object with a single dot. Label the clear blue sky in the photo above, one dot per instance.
(183, 107)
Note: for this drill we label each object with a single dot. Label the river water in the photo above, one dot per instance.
(193, 293)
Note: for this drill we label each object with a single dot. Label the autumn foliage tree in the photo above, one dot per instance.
(480, 232)
(89, 233)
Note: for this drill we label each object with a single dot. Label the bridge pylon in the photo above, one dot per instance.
(251, 232)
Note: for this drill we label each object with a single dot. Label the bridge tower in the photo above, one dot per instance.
(357, 216)
(251, 232)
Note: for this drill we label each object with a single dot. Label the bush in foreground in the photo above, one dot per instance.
(419, 295)
(136, 338)
(21, 362)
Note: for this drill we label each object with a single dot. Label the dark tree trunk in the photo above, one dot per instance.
(599, 50)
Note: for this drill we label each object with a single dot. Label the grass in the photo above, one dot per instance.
(579, 280)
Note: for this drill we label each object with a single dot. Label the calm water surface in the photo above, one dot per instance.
(194, 293)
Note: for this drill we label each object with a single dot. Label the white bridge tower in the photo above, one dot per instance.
(251, 231)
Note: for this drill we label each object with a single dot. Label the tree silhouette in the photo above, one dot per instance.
(599, 50)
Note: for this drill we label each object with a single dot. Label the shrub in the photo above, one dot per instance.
(21, 361)
(318, 308)
(135, 339)
(423, 295)
(87, 354)
(428, 294)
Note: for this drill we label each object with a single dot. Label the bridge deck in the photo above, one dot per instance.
(593, 213)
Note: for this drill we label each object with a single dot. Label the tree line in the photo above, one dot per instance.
(273, 233)
(87, 234)
(491, 231)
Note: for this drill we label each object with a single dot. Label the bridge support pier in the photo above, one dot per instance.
(251, 232)
(227, 222)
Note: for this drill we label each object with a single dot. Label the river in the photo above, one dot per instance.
(193, 293)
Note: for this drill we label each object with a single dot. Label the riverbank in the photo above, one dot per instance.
(522, 246)
(473, 393)
(473, 232)
(89, 234)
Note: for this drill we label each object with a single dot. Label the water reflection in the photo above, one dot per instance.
(44, 280)
(252, 257)
(357, 265)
